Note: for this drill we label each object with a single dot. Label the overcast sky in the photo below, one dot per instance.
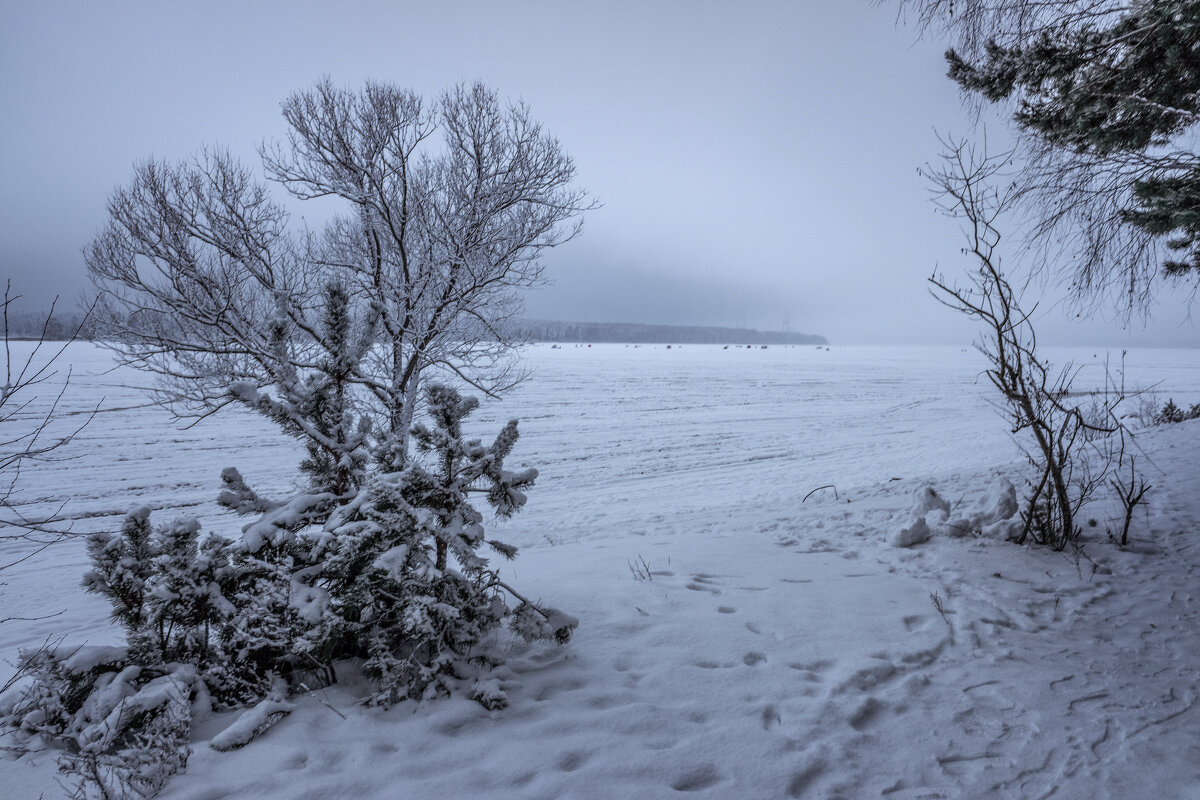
(756, 161)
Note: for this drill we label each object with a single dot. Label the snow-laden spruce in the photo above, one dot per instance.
(397, 576)
(393, 581)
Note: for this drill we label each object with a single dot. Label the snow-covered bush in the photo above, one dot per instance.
(152, 745)
(167, 587)
(122, 715)
(392, 574)
(398, 577)
(1171, 413)
(122, 728)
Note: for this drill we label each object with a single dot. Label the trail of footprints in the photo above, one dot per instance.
(842, 710)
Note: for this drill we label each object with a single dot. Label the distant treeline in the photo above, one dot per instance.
(537, 330)
(61, 326)
(66, 324)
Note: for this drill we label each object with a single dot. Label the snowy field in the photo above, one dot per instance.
(777, 648)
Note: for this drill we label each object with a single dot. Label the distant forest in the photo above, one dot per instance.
(64, 324)
(538, 330)
(61, 326)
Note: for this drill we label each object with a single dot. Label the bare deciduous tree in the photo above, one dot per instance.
(449, 206)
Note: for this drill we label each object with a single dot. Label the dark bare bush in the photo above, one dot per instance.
(1073, 441)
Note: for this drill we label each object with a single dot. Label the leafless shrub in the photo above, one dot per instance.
(640, 569)
(1071, 445)
(1130, 488)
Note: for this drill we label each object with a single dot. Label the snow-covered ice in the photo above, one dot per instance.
(778, 646)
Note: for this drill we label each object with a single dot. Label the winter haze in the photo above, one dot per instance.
(369, 514)
(756, 162)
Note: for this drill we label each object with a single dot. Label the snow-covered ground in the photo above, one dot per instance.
(777, 648)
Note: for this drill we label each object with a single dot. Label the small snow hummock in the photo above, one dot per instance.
(489, 694)
(996, 518)
(914, 534)
(999, 517)
(251, 724)
(926, 500)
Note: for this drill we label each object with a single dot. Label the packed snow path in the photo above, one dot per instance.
(736, 642)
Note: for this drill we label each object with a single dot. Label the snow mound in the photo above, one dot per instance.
(251, 724)
(914, 534)
(926, 499)
(996, 517)
(999, 517)
(926, 502)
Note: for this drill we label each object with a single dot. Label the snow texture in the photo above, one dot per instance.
(775, 648)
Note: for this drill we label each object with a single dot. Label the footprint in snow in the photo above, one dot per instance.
(703, 582)
(866, 713)
(811, 671)
(753, 658)
(554, 687)
(297, 761)
(697, 779)
(770, 717)
(603, 702)
(802, 779)
(572, 761)
(987, 722)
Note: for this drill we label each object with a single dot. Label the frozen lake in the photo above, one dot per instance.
(781, 648)
(624, 438)
(695, 424)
